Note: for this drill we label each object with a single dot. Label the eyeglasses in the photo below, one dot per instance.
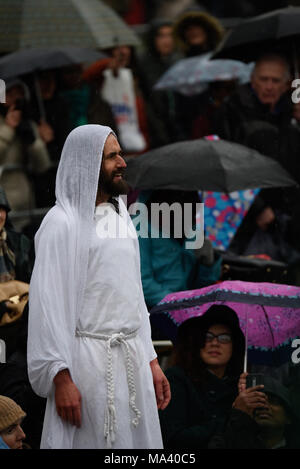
(221, 338)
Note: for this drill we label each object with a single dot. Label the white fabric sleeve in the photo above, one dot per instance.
(52, 321)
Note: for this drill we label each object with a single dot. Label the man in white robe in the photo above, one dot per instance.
(89, 338)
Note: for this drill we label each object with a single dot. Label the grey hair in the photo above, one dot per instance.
(273, 57)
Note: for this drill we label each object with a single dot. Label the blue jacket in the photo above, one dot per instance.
(3, 445)
(168, 266)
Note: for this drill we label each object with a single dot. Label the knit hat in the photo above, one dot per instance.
(10, 412)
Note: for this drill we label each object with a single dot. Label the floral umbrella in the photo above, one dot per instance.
(269, 315)
(192, 75)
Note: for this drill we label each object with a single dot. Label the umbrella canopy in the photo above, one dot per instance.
(34, 60)
(192, 75)
(264, 32)
(56, 23)
(269, 314)
(224, 213)
(205, 165)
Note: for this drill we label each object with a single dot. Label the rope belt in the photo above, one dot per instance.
(110, 412)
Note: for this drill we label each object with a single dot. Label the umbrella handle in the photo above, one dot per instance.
(246, 345)
(39, 99)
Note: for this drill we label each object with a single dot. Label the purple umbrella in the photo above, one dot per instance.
(269, 315)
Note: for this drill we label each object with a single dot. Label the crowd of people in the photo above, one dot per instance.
(211, 406)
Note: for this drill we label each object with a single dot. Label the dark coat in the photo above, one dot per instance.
(196, 412)
(243, 119)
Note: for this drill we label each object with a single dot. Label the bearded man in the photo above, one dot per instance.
(89, 340)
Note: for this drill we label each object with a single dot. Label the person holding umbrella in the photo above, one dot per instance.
(196, 33)
(208, 361)
(259, 115)
(21, 149)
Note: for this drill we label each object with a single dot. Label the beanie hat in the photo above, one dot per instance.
(10, 412)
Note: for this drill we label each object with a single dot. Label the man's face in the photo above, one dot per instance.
(270, 82)
(113, 166)
(164, 41)
(274, 416)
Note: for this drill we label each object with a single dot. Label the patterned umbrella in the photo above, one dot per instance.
(271, 311)
(192, 75)
(56, 23)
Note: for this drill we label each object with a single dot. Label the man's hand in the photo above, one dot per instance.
(67, 398)
(46, 132)
(161, 385)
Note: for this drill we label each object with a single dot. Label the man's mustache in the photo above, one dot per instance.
(120, 171)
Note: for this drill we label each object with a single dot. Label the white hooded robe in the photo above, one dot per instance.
(87, 311)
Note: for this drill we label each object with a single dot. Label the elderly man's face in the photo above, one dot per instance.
(270, 81)
(113, 166)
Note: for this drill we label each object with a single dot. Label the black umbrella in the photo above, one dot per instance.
(275, 31)
(33, 60)
(27, 61)
(205, 165)
(54, 23)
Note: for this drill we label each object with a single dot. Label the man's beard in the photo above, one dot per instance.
(108, 186)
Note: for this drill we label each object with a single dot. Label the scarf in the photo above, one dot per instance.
(7, 259)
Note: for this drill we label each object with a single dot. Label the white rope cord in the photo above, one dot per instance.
(110, 412)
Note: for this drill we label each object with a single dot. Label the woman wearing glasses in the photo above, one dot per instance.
(207, 364)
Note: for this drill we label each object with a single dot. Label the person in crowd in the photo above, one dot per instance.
(21, 149)
(97, 310)
(274, 426)
(115, 79)
(16, 262)
(265, 231)
(168, 263)
(196, 33)
(54, 125)
(208, 104)
(159, 54)
(259, 115)
(207, 364)
(11, 418)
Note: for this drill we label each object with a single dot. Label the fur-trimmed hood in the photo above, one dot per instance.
(209, 23)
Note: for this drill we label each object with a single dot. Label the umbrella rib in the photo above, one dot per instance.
(267, 319)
